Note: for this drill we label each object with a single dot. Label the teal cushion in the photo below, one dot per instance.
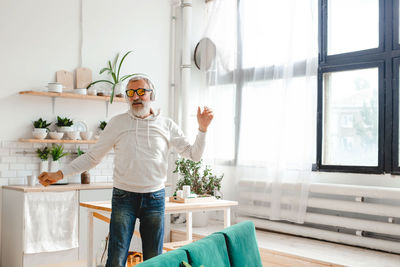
(172, 258)
(209, 251)
(242, 245)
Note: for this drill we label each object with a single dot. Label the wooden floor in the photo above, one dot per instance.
(268, 257)
(278, 249)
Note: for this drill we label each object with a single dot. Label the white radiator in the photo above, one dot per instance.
(363, 216)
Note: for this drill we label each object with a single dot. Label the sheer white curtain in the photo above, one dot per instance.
(263, 86)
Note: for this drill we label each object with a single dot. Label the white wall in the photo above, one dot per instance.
(38, 38)
(41, 37)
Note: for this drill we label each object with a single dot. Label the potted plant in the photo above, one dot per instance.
(43, 154)
(64, 124)
(117, 80)
(102, 125)
(41, 125)
(56, 152)
(85, 176)
(201, 181)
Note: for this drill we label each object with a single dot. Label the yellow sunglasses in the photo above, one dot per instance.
(139, 91)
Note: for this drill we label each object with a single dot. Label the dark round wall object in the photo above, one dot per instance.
(204, 54)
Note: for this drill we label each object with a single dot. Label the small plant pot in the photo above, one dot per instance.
(40, 130)
(85, 177)
(54, 166)
(44, 166)
(64, 129)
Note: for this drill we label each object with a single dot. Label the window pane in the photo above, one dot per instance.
(221, 133)
(223, 126)
(265, 43)
(350, 123)
(352, 25)
(276, 123)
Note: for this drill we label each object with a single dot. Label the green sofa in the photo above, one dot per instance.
(232, 247)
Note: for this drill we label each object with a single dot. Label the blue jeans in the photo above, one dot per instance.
(126, 207)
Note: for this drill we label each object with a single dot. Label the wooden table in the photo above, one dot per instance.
(102, 210)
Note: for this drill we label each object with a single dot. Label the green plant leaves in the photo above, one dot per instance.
(205, 183)
(104, 69)
(102, 125)
(57, 152)
(112, 93)
(122, 60)
(115, 62)
(80, 152)
(43, 154)
(64, 122)
(41, 124)
(123, 78)
(98, 81)
(114, 72)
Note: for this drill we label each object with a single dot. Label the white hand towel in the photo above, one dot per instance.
(51, 221)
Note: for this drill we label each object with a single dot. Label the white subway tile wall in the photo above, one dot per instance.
(18, 160)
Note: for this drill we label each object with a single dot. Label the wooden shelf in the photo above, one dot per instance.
(54, 141)
(72, 95)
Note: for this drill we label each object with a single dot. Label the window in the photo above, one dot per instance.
(358, 86)
(350, 101)
(268, 77)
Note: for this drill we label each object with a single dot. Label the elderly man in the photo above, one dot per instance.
(141, 140)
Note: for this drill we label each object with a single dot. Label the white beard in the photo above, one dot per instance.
(140, 112)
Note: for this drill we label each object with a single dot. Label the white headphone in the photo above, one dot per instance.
(142, 76)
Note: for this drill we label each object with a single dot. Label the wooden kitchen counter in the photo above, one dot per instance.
(58, 188)
(61, 188)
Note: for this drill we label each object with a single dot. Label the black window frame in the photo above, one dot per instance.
(387, 58)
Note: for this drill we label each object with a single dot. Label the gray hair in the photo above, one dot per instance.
(141, 76)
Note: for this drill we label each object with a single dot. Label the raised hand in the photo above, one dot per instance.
(204, 118)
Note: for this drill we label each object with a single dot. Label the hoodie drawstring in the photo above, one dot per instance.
(136, 132)
(148, 134)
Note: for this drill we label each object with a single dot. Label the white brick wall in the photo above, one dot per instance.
(18, 160)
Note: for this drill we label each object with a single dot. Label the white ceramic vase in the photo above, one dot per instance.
(65, 129)
(40, 130)
(54, 165)
(43, 166)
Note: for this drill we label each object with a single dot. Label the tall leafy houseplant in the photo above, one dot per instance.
(202, 182)
(114, 71)
(56, 152)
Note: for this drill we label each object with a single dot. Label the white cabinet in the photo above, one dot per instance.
(13, 234)
(13, 228)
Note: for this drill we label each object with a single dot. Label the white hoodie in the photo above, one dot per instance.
(141, 149)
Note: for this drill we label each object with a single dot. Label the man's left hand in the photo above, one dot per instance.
(204, 118)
